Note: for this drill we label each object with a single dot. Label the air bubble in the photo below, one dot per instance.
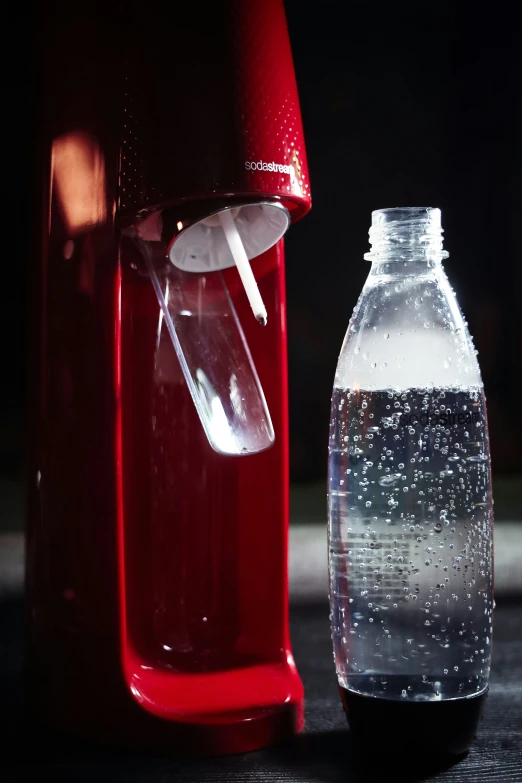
(389, 480)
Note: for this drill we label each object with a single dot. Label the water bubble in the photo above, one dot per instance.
(389, 480)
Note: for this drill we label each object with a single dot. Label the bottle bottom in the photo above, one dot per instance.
(414, 730)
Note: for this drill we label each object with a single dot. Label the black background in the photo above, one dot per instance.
(403, 105)
(407, 104)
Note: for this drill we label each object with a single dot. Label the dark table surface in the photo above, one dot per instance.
(321, 753)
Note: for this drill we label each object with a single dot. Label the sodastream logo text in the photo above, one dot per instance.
(444, 418)
(262, 165)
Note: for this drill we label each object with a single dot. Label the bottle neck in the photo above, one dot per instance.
(414, 267)
(406, 237)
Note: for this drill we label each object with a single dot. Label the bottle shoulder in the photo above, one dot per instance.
(407, 332)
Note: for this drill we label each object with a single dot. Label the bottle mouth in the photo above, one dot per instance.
(406, 234)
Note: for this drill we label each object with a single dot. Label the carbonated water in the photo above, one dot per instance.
(410, 514)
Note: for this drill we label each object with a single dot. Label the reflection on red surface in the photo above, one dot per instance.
(203, 578)
(78, 178)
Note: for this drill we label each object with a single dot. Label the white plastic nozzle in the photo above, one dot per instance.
(243, 266)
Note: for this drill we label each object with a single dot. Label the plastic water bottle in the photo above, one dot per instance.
(410, 504)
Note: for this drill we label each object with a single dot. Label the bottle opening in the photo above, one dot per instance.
(430, 215)
(406, 234)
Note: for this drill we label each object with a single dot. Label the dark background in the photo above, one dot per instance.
(407, 104)
(403, 105)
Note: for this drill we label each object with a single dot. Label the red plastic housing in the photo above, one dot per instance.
(156, 568)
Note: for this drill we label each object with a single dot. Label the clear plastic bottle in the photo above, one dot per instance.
(410, 504)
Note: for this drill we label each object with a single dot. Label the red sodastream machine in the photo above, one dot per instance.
(172, 163)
